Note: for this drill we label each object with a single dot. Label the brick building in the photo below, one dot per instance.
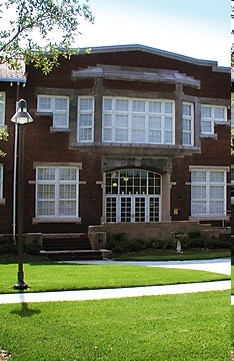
(125, 135)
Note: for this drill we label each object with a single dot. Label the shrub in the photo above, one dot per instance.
(7, 245)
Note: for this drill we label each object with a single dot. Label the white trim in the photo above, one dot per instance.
(51, 108)
(142, 126)
(48, 191)
(2, 109)
(85, 131)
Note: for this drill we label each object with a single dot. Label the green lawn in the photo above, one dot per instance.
(53, 277)
(192, 327)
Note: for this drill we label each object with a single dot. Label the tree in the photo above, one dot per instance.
(40, 20)
(3, 136)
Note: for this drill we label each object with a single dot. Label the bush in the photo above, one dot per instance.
(7, 245)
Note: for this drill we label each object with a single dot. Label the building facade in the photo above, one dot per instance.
(125, 134)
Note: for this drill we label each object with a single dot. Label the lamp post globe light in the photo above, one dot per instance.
(20, 118)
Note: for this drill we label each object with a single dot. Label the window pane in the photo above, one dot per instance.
(46, 173)
(217, 177)
(198, 176)
(155, 107)
(205, 111)
(85, 134)
(168, 108)
(219, 113)
(85, 120)
(2, 108)
(155, 122)
(60, 120)
(46, 191)
(121, 105)
(67, 174)
(138, 106)
(86, 104)
(45, 103)
(46, 208)
(107, 104)
(60, 103)
(121, 135)
(121, 120)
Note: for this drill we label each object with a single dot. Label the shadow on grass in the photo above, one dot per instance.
(25, 311)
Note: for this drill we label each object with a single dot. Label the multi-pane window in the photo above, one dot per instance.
(85, 121)
(1, 181)
(144, 121)
(2, 108)
(232, 184)
(132, 195)
(188, 124)
(57, 192)
(210, 115)
(208, 193)
(59, 106)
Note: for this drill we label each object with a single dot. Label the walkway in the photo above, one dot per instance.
(218, 266)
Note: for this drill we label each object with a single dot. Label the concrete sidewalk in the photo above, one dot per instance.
(222, 266)
(114, 293)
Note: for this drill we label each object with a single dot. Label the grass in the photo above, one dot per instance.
(191, 327)
(54, 277)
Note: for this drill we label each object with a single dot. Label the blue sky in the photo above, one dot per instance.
(195, 28)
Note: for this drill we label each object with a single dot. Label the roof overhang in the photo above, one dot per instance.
(136, 74)
(7, 74)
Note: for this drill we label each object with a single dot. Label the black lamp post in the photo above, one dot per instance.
(20, 118)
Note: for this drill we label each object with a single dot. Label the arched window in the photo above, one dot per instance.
(132, 195)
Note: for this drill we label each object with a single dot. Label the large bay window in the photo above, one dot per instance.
(2, 108)
(58, 106)
(208, 192)
(144, 121)
(210, 115)
(57, 193)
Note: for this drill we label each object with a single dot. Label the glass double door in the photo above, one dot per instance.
(133, 208)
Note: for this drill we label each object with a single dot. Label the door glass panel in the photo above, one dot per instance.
(126, 209)
(111, 209)
(154, 209)
(140, 210)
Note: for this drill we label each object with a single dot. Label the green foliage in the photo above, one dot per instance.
(46, 18)
(232, 142)
(7, 245)
(119, 244)
(3, 137)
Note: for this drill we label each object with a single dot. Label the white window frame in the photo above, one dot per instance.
(2, 109)
(1, 181)
(188, 124)
(207, 196)
(232, 184)
(55, 194)
(212, 119)
(85, 119)
(52, 108)
(138, 126)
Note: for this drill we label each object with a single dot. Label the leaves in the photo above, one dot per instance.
(29, 35)
(4, 137)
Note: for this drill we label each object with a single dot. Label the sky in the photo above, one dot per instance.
(196, 28)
